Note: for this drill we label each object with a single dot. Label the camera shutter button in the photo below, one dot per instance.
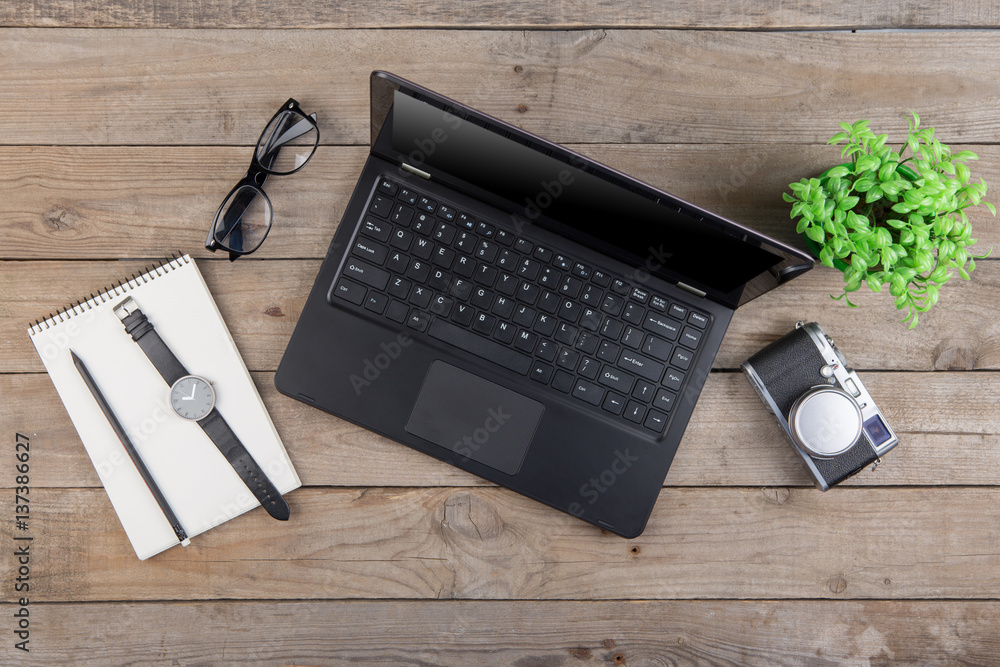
(826, 371)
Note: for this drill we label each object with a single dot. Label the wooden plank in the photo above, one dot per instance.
(518, 633)
(83, 202)
(442, 13)
(200, 87)
(491, 543)
(261, 301)
(947, 422)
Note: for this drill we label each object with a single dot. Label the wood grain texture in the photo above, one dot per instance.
(483, 14)
(196, 87)
(490, 543)
(543, 634)
(83, 202)
(261, 301)
(948, 424)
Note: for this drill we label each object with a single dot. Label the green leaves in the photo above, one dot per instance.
(888, 219)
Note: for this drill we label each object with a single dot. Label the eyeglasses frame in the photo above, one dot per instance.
(255, 178)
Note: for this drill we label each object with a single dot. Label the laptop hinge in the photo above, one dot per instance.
(417, 172)
(694, 291)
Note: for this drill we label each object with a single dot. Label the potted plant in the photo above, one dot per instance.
(888, 220)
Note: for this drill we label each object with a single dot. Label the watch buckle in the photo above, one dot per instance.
(125, 308)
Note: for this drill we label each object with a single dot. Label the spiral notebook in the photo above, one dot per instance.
(199, 484)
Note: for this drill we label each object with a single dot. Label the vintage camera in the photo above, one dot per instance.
(829, 416)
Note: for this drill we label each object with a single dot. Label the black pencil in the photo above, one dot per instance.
(130, 448)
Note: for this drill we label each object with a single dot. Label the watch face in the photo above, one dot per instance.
(192, 397)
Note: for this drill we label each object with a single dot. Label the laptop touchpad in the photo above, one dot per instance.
(474, 417)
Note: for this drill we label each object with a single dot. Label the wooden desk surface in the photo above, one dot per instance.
(122, 126)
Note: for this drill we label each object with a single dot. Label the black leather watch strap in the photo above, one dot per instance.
(214, 425)
(244, 464)
(143, 333)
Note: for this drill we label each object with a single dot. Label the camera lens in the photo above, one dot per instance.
(825, 421)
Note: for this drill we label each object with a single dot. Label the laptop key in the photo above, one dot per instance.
(483, 323)
(479, 346)
(568, 358)
(545, 324)
(402, 216)
(463, 314)
(602, 278)
(441, 305)
(482, 298)
(543, 255)
(524, 316)
(589, 368)
(640, 295)
(350, 291)
(643, 391)
(505, 332)
(425, 204)
(547, 350)
(365, 273)
(385, 187)
(541, 372)
(588, 391)
(590, 319)
(563, 381)
(507, 284)
(690, 338)
(399, 288)
(673, 379)
(408, 196)
(563, 262)
(525, 341)
(608, 352)
(632, 338)
(381, 206)
(657, 348)
(370, 251)
(566, 333)
(641, 366)
(587, 342)
(504, 237)
(417, 320)
(658, 303)
(655, 421)
(418, 271)
(420, 297)
(548, 303)
(662, 326)
(633, 313)
(616, 379)
(678, 311)
(461, 289)
(681, 358)
(612, 305)
(397, 311)
(376, 302)
(698, 320)
(423, 248)
(614, 403)
(375, 228)
(424, 224)
(664, 400)
(401, 239)
(444, 233)
(439, 280)
(465, 266)
(612, 328)
(634, 412)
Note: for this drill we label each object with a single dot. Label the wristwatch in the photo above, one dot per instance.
(192, 397)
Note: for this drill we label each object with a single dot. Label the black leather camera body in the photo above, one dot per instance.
(820, 402)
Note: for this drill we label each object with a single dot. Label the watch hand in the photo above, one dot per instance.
(194, 389)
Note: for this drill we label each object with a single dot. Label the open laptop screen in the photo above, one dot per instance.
(540, 183)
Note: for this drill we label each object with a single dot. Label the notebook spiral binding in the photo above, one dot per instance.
(121, 288)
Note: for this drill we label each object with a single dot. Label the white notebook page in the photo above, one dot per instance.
(199, 484)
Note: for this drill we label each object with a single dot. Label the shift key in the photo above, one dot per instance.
(365, 273)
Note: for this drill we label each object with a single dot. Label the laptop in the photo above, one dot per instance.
(520, 311)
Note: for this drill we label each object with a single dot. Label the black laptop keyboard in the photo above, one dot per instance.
(621, 348)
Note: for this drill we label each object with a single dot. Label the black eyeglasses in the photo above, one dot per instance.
(242, 222)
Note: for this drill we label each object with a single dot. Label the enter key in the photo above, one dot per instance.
(641, 366)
